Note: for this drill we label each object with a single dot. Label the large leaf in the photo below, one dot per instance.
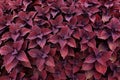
(87, 66)
(18, 44)
(112, 45)
(5, 50)
(22, 57)
(40, 64)
(8, 59)
(50, 62)
(64, 52)
(100, 68)
(12, 65)
(90, 59)
(41, 43)
(71, 42)
(103, 34)
(62, 43)
(34, 52)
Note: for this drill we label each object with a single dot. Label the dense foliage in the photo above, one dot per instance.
(59, 39)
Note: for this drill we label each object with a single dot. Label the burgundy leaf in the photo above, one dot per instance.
(4, 78)
(53, 39)
(71, 42)
(115, 36)
(46, 31)
(18, 44)
(88, 28)
(97, 75)
(34, 52)
(15, 36)
(64, 52)
(26, 64)
(112, 45)
(73, 20)
(87, 66)
(50, 62)
(41, 43)
(12, 65)
(8, 59)
(103, 34)
(40, 64)
(32, 44)
(105, 57)
(5, 50)
(34, 33)
(89, 74)
(105, 18)
(83, 47)
(100, 68)
(90, 59)
(6, 36)
(22, 57)
(62, 43)
(92, 43)
(24, 31)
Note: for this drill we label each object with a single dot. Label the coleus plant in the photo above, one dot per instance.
(59, 39)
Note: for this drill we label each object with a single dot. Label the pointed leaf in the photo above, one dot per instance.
(5, 50)
(90, 59)
(100, 68)
(34, 52)
(40, 64)
(115, 36)
(71, 43)
(103, 35)
(41, 43)
(50, 62)
(87, 66)
(18, 44)
(32, 44)
(8, 59)
(26, 64)
(64, 52)
(6, 36)
(62, 43)
(10, 66)
(24, 31)
(53, 39)
(112, 45)
(46, 31)
(22, 57)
